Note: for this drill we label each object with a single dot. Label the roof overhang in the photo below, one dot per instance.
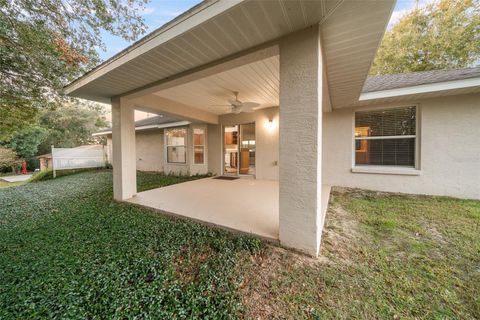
(455, 87)
(149, 127)
(216, 30)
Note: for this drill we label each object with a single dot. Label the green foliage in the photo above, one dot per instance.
(8, 158)
(66, 126)
(45, 43)
(443, 35)
(71, 125)
(151, 180)
(70, 252)
(26, 141)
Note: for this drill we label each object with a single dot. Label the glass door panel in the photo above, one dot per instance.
(230, 150)
(247, 149)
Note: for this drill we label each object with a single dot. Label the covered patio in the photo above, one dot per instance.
(244, 204)
(296, 61)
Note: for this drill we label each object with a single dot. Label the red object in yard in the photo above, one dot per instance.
(24, 167)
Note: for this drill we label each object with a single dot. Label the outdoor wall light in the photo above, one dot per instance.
(270, 124)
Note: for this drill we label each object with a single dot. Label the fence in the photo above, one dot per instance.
(89, 156)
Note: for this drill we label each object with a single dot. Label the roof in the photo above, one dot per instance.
(402, 80)
(218, 31)
(155, 122)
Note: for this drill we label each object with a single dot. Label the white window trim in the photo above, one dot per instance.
(204, 146)
(386, 169)
(166, 148)
(408, 171)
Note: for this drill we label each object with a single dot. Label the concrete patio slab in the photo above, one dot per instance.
(246, 205)
(19, 178)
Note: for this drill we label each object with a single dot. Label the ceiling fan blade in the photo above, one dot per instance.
(249, 106)
(220, 105)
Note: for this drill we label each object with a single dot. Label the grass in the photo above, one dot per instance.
(384, 256)
(5, 184)
(68, 251)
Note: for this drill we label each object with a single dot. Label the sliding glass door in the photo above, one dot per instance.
(239, 149)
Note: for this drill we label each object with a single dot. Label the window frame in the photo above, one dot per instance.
(167, 145)
(204, 145)
(389, 169)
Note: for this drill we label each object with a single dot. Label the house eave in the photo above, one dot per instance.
(439, 87)
(149, 127)
(204, 11)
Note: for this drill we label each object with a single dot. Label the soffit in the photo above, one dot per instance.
(256, 82)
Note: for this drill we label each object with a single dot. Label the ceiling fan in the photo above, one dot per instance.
(237, 106)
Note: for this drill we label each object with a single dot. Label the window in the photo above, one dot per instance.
(176, 141)
(386, 137)
(198, 146)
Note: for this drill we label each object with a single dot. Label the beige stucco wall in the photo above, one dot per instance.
(449, 132)
(266, 153)
(150, 150)
(149, 146)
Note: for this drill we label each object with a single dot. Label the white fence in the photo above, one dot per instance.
(89, 156)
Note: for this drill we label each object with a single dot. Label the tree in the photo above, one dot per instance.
(26, 142)
(8, 158)
(46, 43)
(71, 125)
(442, 35)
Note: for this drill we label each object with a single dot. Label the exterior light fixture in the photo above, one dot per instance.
(270, 124)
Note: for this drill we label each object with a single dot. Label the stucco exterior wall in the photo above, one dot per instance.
(149, 150)
(267, 145)
(449, 164)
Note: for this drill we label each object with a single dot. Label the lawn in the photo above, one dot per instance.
(68, 251)
(5, 184)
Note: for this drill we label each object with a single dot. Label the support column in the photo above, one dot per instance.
(301, 69)
(124, 156)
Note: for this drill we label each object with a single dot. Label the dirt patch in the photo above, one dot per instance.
(187, 265)
(274, 265)
(340, 234)
(259, 289)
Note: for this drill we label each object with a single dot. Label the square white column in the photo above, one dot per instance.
(124, 155)
(301, 220)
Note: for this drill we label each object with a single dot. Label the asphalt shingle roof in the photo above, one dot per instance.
(157, 120)
(394, 81)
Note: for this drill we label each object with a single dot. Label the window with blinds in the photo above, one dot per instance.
(386, 137)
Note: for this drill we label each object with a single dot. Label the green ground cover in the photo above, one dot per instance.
(68, 251)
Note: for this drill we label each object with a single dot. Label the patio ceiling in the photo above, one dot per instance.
(256, 82)
(219, 30)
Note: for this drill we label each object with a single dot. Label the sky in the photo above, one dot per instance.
(159, 12)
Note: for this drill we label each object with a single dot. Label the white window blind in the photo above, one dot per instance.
(386, 137)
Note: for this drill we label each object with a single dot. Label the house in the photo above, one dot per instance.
(45, 161)
(276, 92)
